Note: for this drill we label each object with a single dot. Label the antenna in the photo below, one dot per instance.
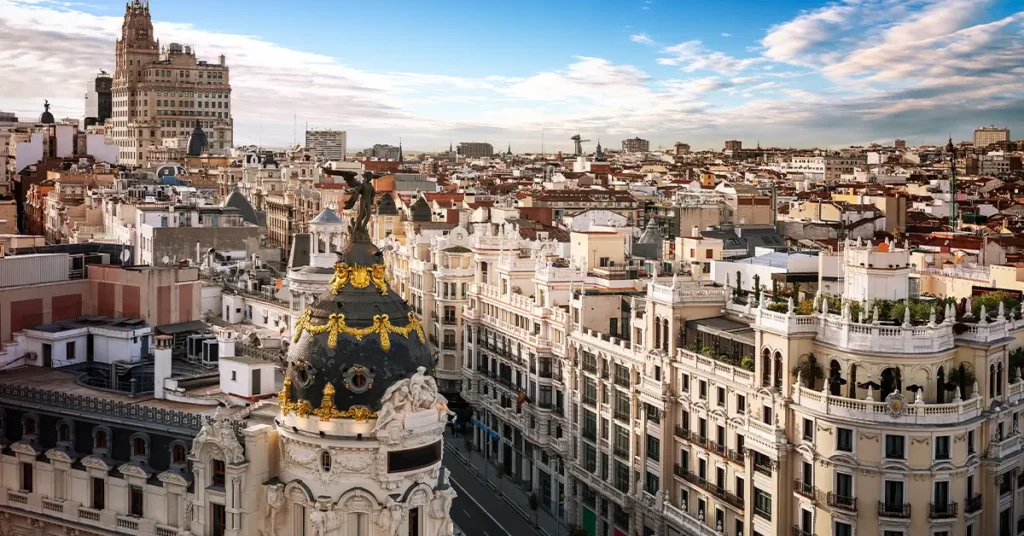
(293, 129)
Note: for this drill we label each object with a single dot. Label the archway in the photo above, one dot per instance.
(834, 374)
(891, 381)
(852, 393)
(940, 386)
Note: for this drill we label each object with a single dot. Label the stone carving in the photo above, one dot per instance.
(318, 520)
(418, 393)
(188, 512)
(275, 501)
(221, 432)
(391, 517)
(440, 509)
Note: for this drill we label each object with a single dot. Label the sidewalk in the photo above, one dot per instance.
(514, 497)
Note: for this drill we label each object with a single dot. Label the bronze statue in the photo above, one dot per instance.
(362, 193)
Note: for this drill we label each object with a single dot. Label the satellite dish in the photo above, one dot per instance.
(166, 259)
(929, 259)
(125, 255)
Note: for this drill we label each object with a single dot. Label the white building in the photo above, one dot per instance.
(328, 144)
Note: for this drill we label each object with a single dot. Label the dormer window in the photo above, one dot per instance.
(29, 426)
(64, 432)
(178, 454)
(100, 439)
(138, 446)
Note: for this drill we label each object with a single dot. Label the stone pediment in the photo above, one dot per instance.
(24, 447)
(134, 469)
(169, 477)
(60, 455)
(95, 462)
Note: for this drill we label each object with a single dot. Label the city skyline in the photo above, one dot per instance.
(790, 74)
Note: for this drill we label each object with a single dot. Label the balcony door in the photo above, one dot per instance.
(893, 494)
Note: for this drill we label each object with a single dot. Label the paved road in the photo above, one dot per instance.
(476, 505)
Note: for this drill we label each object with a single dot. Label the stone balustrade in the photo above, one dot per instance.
(879, 411)
(689, 292)
(714, 367)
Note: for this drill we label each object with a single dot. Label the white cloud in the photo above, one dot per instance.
(642, 39)
(726, 34)
(693, 56)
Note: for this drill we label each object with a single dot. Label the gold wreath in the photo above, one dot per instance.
(336, 324)
(359, 276)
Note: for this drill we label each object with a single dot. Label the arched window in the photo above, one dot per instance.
(28, 425)
(766, 368)
(991, 380)
(940, 386)
(778, 370)
(999, 379)
(64, 432)
(138, 446)
(178, 454)
(100, 439)
(657, 332)
(853, 381)
(664, 335)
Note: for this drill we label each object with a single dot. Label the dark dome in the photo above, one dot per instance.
(360, 336)
(46, 116)
(197, 142)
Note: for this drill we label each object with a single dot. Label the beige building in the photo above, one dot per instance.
(162, 93)
(985, 136)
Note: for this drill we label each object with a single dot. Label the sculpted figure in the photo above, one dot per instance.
(275, 500)
(397, 401)
(391, 518)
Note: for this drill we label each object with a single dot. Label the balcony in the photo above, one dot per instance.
(682, 433)
(805, 489)
(622, 381)
(621, 416)
(797, 531)
(896, 510)
(621, 452)
(842, 502)
(737, 456)
(717, 448)
(878, 411)
(765, 468)
(942, 511)
(973, 504)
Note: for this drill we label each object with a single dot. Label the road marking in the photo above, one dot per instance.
(470, 497)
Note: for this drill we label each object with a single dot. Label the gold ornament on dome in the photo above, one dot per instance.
(303, 408)
(284, 397)
(327, 411)
(336, 324)
(359, 276)
(359, 414)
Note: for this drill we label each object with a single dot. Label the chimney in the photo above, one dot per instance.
(161, 363)
(223, 60)
(226, 343)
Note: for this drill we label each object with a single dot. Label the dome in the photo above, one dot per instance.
(354, 342)
(328, 216)
(197, 142)
(46, 116)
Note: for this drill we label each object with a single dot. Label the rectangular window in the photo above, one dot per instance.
(135, 502)
(653, 448)
(894, 447)
(71, 350)
(684, 384)
(414, 522)
(942, 448)
(651, 483)
(893, 494)
(218, 518)
(844, 439)
(843, 529)
(99, 495)
(762, 503)
(741, 404)
(703, 390)
(808, 430)
(217, 473)
(721, 396)
(26, 477)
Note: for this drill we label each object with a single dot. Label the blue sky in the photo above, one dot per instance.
(790, 73)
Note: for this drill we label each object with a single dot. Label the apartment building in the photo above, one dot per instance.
(636, 145)
(328, 144)
(475, 149)
(682, 407)
(985, 136)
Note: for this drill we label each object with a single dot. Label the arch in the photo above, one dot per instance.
(852, 381)
(139, 443)
(179, 452)
(65, 432)
(101, 438)
(298, 492)
(835, 371)
(30, 425)
(420, 489)
(992, 380)
(766, 367)
(891, 381)
(999, 379)
(357, 500)
(940, 385)
(778, 370)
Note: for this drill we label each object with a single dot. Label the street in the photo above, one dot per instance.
(468, 510)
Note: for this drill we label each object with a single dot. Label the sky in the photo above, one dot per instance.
(787, 73)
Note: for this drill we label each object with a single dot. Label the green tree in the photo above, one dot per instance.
(809, 370)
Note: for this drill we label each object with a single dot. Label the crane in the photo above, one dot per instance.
(579, 144)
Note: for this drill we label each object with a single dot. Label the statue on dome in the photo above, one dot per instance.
(361, 195)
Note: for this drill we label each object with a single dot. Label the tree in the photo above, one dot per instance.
(809, 371)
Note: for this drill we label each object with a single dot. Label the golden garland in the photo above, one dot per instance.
(359, 414)
(359, 276)
(336, 324)
(326, 411)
